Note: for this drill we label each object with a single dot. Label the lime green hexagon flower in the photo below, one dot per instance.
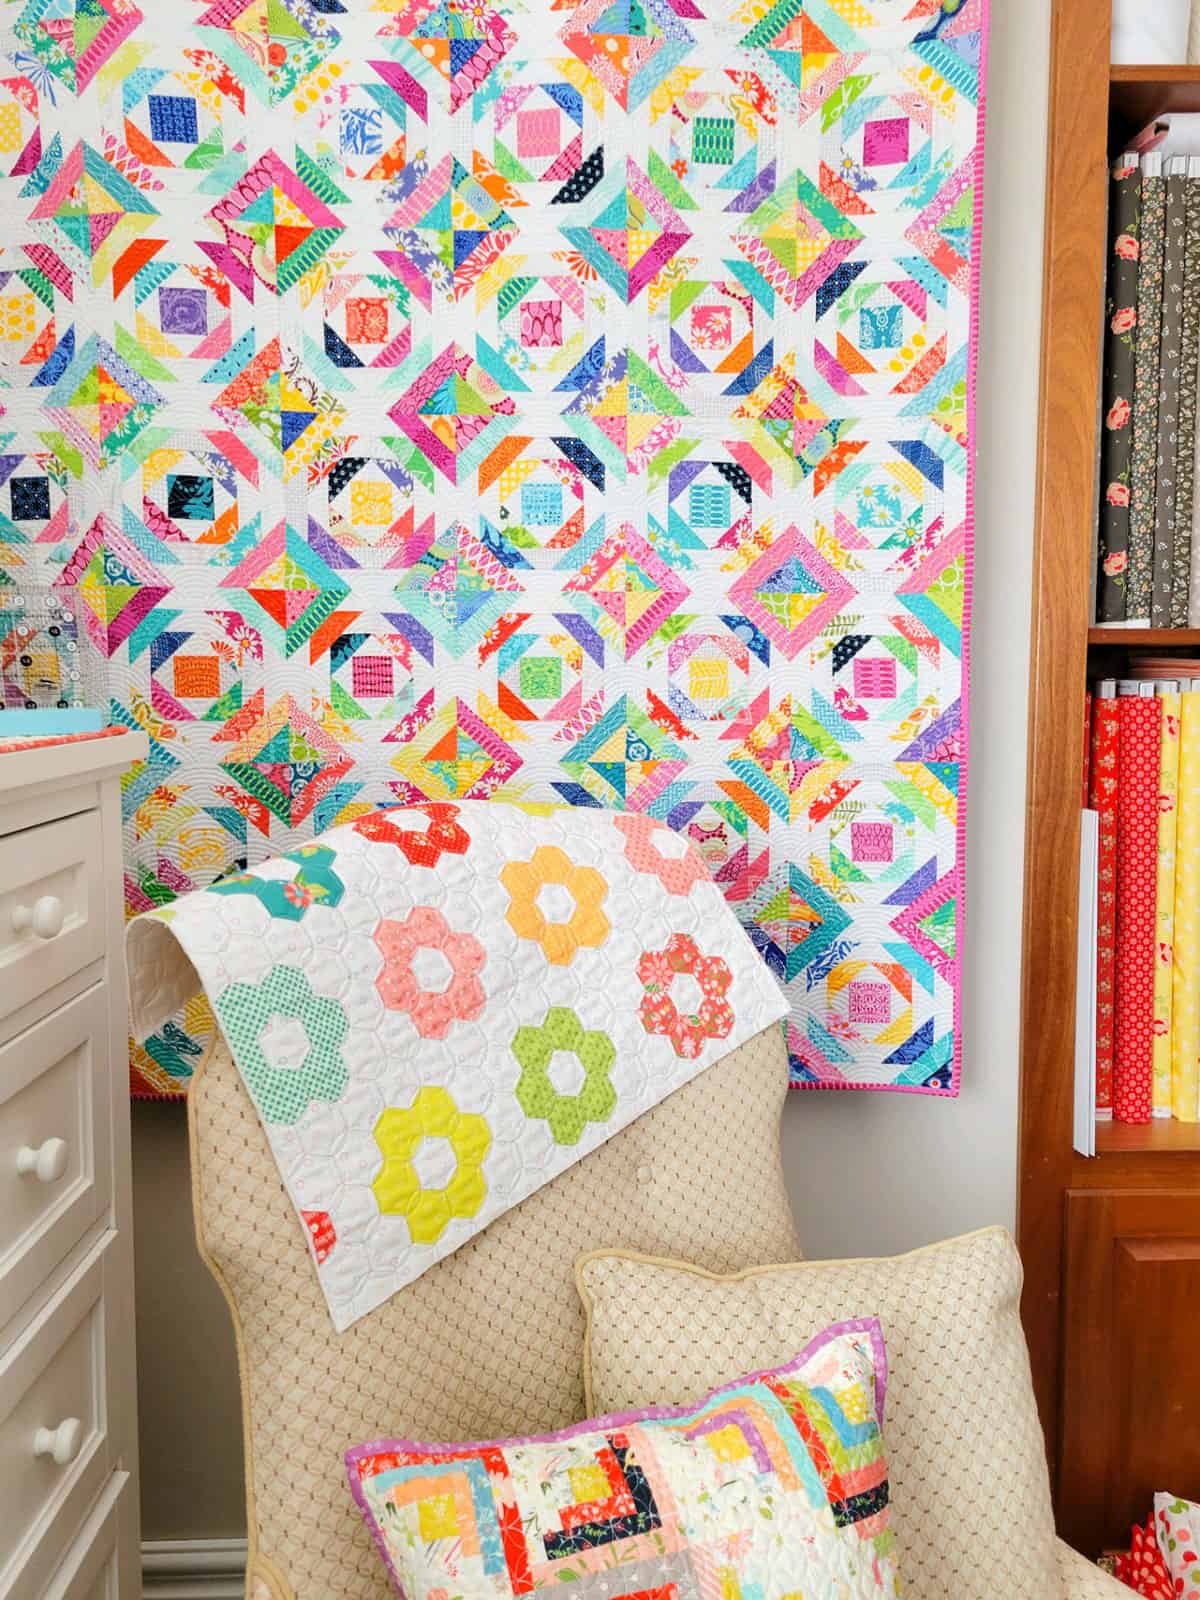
(400, 1132)
(287, 1041)
(567, 1114)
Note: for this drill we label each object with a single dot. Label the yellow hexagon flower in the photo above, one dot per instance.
(587, 926)
(398, 1190)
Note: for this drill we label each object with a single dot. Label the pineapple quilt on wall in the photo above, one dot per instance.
(567, 399)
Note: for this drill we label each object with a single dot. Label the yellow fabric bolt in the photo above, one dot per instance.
(1185, 1018)
(1164, 905)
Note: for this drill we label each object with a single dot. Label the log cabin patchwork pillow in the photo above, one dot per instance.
(773, 1485)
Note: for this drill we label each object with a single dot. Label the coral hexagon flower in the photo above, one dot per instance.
(445, 835)
(688, 1032)
(432, 1010)
(677, 874)
(400, 1132)
(595, 1100)
(587, 927)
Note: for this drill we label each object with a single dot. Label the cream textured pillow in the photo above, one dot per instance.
(970, 1492)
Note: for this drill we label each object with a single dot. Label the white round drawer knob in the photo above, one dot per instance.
(47, 1163)
(61, 1443)
(46, 919)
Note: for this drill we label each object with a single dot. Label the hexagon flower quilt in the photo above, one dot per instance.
(439, 1008)
(563, 400)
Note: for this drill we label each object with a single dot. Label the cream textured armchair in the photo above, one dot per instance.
(488, 1343)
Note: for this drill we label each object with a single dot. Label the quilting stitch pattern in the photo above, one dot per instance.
(441, 399)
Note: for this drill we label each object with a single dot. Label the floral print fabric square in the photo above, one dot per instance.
(773, 1486)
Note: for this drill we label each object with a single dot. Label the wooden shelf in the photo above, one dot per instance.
(1137, 95)
(1124, 73)
(1162, 1138)
(1112, 1268)
(1141, 636)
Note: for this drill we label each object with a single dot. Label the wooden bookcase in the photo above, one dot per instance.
(1111, 1245)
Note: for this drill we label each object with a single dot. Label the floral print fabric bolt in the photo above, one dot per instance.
(437, 1009)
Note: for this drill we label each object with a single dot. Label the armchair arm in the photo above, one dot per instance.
(1083, 1581)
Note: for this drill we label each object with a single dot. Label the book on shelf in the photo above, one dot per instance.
(1085, 988)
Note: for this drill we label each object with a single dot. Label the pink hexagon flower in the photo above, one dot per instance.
(432, 1010)
(688, 1032)
(677, 874)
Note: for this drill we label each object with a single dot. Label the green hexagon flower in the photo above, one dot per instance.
(567, 1114)
(285, 1068)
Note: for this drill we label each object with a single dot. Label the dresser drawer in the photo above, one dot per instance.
(51, 906)
(55, 1153)
(54, 1453)
(90, 1568)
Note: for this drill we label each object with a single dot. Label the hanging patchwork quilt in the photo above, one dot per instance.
(433, 400)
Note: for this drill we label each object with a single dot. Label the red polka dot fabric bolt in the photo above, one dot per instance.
(1139, 729)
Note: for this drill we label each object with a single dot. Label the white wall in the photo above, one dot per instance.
(871, 1174)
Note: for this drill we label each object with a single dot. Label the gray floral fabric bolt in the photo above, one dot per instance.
(1116, 444)
(1170, 369)
(1185, 449)
(1140, 570)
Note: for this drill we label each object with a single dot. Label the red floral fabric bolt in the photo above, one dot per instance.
(1140, 735)
(1102, 795)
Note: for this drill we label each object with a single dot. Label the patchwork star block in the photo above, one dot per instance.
(633, 235)
(455, 413)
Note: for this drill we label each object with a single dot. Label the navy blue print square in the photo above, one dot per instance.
(190, 498)
(173, 119)
(30, 498)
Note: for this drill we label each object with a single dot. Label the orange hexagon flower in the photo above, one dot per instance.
(587, 927)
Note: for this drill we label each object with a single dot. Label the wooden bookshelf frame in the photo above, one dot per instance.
(1093, 111)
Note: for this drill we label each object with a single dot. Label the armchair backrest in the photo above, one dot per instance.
(488, 1343)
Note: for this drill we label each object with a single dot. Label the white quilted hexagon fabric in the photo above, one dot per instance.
(487, 1343)
(970, 1491)
(437, 1009)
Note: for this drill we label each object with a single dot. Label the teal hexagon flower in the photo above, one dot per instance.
(287, 1041)
(567, 1114)
(315, 884)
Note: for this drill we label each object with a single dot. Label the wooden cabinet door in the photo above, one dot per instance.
(1131, 1360)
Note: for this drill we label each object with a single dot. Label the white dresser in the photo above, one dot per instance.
(68, 1402)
